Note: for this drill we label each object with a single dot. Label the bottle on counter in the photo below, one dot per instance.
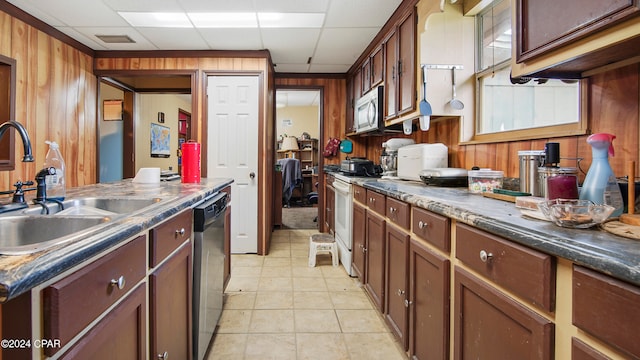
(600, 184)
(56, 189)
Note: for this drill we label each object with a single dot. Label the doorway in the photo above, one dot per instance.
(298, 116)
(164, 99)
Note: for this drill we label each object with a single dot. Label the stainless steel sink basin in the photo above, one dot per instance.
(96, 206)
(25, 233)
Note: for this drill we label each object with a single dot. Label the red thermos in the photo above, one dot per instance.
(190, 162)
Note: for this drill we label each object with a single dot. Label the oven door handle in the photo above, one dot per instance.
(341, 187)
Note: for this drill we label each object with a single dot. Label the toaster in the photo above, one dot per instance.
(412, 159)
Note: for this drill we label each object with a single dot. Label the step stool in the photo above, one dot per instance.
(322, 243)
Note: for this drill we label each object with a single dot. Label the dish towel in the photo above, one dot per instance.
(291, 176)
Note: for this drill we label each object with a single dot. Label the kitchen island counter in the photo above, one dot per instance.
(594, 248)
(21, 272)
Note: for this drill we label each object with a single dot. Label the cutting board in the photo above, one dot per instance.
(622, 229)
(503, 197)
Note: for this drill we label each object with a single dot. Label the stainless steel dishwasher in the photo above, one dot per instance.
(208, 270)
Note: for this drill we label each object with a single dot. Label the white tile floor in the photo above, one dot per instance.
(277, 307)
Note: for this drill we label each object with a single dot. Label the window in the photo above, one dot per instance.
(512, 109)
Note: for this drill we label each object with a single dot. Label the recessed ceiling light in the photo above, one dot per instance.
(224, 20)
(291, 20)
(116, 39)
(157, 19)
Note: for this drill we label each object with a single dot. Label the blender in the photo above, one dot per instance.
(389, 157)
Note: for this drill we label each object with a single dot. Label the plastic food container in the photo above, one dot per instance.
(485, 180)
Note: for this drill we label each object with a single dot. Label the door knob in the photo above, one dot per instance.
(252, 175)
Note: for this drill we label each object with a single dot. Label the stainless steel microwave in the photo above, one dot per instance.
(368, 115)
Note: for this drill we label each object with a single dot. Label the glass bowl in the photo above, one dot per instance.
(575, 214)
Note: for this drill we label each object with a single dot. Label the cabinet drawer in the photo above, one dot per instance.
(432, 228)
(73, 302)
(607, 308)
(582, 351)
(398, 212)
(166, 237)
(376, 202)
(360, 194)
(528, 273)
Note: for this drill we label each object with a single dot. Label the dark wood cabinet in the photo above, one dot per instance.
(546, 25)
(491, 325)
(366, 76)
(390, 75)
(432, 228)
(398, 212)
(582, 351)
(397, 283)
(166, 237)
(573, 38)
(227, 246)
(71, 304)
(375, 262)
(358, 263)
(527, 272)
(399, 68)
(429, 302)
(377, 66)
(608, 309)
(119, 335)
(170, 287)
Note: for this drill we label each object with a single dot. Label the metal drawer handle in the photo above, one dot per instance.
(163, 356)
(180, 232)
(372, 200)
(392, 210)
(400, 292)
(407, 303)
(120, 283)
(364, 249)
(422, 225)
(485, 256)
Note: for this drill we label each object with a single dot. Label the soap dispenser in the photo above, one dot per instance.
(600, 184)
(55, 184)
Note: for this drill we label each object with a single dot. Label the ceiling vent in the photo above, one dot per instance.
(116, 39)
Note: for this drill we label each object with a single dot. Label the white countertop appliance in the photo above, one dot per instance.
(412, 159)
(389, 157)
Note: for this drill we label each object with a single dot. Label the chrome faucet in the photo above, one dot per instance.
(26, 143)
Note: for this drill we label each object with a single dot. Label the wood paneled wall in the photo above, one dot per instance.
(55, 100)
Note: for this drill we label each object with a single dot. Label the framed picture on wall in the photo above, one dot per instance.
(112, 110)
(160, 141)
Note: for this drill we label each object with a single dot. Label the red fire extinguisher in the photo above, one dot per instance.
(190, 162)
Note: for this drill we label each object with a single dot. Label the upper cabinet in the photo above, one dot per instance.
(400, 68)
(573, 38)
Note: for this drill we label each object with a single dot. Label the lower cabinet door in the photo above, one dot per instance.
(397, 284)
(375, 249)
(491, 325)
(118, 336)
(359, 241)
(170, 287)
(429, 305)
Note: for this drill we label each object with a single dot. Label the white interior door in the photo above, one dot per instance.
(232, 139)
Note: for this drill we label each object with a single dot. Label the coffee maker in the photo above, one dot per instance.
(389, 157)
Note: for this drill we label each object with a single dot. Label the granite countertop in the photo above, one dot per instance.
(593, 248)
(21, 272)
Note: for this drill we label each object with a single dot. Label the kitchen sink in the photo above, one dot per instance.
(95, 206)
(28, 233)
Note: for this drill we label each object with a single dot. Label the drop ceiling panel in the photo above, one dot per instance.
(318, 6)
(90, 41)
(291, 68)
(341, 46)
(370, 13)
(144, 5)
(232, 39)
(81, 13)
(33, 10)
(174, 39)
(288, 46)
